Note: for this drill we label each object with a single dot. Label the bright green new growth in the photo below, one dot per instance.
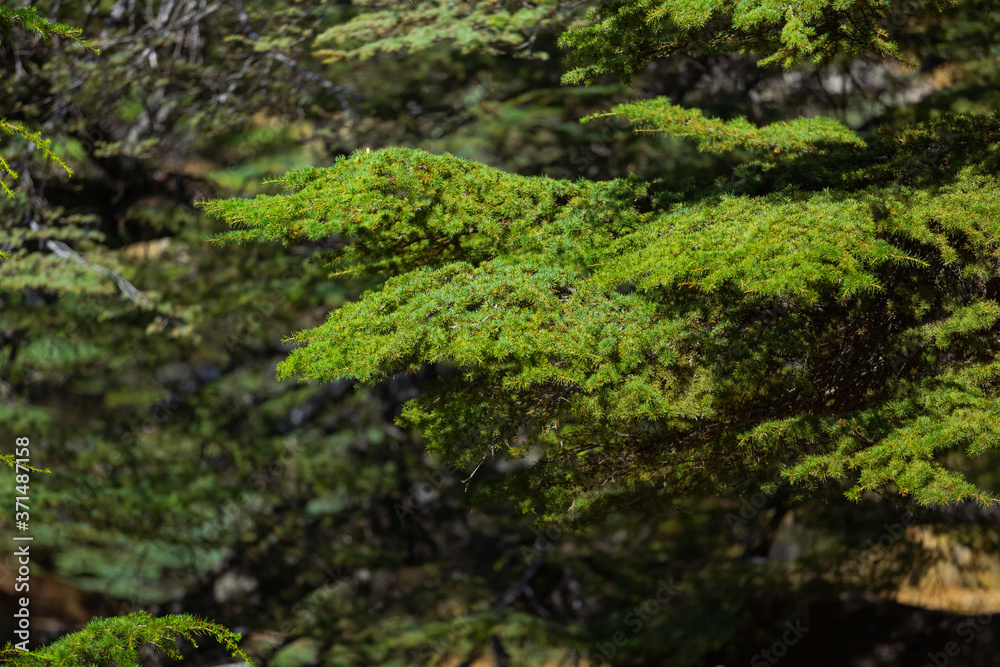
(623, 36)
(29, 20)
(407, 208)
(716, 136)
(15, 129)
(649, 342)
(481, 27)
(117, 641)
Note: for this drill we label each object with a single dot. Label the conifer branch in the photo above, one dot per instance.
(717, 136)
(115, 642)
(28, 18)
(655, 361)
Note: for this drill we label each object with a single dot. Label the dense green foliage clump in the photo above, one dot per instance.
(798, 135)
(118, 641)
(616, 324)
(140, 358)
(576, 320)
(28, 19)
(615, 327)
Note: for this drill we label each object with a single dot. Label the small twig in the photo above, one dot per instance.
(60, 249)
(466, 481)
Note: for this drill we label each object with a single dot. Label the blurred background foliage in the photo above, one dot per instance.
(140, 359)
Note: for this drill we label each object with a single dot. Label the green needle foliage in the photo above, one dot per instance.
(716, 136)
(117, 642)
(623, 36)
(650, 340)
(473, 27)
(826, 312)
(16, 129)
(29, 20)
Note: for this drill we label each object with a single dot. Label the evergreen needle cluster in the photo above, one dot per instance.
(119, 641)
(653, 338)
(27, 19)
